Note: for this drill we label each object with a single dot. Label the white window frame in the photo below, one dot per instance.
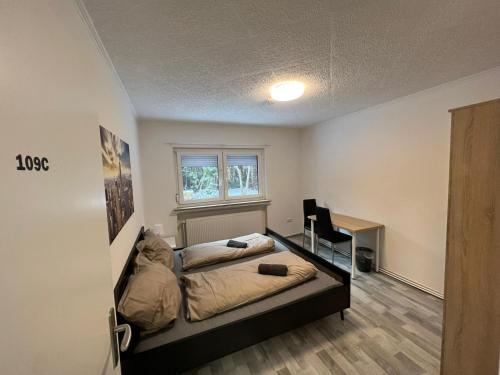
(180, 187)
(260, 174)
(222, 154)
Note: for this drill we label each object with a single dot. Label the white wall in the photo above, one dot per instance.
(55, 90)
(70, 73)
(159, 172)
(389, 164)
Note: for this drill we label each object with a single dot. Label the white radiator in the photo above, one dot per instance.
(220, 227)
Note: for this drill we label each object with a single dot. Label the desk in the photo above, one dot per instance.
(354, 226)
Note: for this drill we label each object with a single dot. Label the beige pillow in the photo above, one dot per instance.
(156, 250)
(152, 297)
(149, 233)
(142, 261)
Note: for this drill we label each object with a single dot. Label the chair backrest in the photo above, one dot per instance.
(324, 221)
(309, 206)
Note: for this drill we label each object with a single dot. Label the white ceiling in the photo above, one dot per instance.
(214, 60)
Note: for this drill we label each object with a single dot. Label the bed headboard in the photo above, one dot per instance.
(127, 269)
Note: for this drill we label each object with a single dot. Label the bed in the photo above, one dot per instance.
(186, 345)
(217, 252)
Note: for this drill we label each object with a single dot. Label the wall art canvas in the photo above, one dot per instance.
(117, 181)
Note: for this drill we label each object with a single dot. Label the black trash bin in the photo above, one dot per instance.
(364, 259)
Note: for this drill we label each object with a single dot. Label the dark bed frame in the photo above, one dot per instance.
(206, 346)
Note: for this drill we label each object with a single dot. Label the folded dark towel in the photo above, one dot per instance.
(238, 244)
(273, 269)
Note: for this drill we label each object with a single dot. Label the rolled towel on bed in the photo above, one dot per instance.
(273, 269)
(237, 244)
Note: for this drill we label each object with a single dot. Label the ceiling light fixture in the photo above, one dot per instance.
(287, 90)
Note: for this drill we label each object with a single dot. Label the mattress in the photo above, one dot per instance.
(183, 328)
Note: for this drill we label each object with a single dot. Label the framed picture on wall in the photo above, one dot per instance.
(117, 181)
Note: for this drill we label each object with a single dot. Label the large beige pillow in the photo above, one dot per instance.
(152, 297)
(149, 233)
(156, 250)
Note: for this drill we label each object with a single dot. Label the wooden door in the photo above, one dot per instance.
(471, 333)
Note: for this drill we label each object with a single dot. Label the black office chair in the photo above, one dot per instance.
(324, 229)
(309, 206)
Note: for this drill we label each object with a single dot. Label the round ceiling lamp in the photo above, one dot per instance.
(287, 90)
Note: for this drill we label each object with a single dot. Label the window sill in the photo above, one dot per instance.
(221, 206)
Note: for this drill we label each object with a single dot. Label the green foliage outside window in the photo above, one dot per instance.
(200, 182)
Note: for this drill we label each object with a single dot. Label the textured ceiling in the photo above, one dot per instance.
(214, 60)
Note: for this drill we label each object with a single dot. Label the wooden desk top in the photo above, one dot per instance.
(351, 224)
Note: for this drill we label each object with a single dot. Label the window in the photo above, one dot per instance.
(242, 175)
(212, 175)
(200, 177)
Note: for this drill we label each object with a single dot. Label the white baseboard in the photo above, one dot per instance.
(414, 284)
(403, 279)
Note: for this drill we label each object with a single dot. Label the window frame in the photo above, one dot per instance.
(222, 154)
(180, 185)
(260, 175)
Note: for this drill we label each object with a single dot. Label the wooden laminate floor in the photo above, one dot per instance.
(391, 328)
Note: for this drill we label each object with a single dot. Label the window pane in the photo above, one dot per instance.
(242, 175)
(200, 177)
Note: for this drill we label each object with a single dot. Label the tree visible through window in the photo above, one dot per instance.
(200, 177)
(219, 174)
(242, 175)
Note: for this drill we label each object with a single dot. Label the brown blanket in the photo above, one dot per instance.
(212, 292)
(217, 252)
